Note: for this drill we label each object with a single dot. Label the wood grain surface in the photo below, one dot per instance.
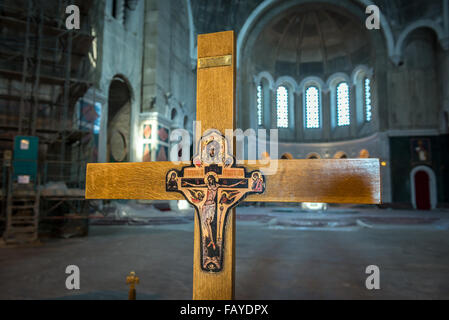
(354, 181)
(215, 108)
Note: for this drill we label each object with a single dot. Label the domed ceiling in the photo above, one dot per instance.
(312, 40)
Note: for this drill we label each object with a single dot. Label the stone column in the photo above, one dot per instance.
(150, 56)
(299, 116)
(267, 111)
(444, 80)
(353, 110)
(120, 11)
(273, 119)
(326, 114)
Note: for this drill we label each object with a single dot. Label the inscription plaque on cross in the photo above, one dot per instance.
(214, 184)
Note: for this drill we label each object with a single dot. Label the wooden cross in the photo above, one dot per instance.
(214, 184)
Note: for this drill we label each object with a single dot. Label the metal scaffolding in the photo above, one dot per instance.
(44, 70)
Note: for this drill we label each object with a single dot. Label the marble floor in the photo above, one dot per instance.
(281, 253)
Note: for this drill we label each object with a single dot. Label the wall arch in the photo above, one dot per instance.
(424, 23)
(313, 155)
(359, 72)
(341, 155)
(289, 81)
(313, 80)
(267, 76)
(336, 78)
(287, 156)
(432, 185)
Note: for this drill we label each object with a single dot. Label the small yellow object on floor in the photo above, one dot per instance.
(132, 280)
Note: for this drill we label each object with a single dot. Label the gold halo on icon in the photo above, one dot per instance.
(213, 174)
(255, 175)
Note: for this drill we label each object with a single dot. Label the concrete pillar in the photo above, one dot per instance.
(353, 110)
(273, 118)
(299, 116)
(150, 56)
(249, 113)
(383, 104)
(446, 16)
(444, 87)
(120, 13)
(326, 114)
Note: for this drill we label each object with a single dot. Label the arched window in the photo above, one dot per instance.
(114, 8)
(367, 100)
(259, 102)
(312, 108)
(174, 113)
(313, 155)
(287, 156)
(340, 155)
(282, 107)
(343, 112)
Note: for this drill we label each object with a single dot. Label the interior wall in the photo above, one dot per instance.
(168, 77)
(443, 77)
(125, 32)
(413, 90)
(404, 159)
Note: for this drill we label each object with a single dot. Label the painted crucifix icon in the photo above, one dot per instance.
(213, 184)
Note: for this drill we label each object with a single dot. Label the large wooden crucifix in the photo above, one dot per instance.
(214, 184)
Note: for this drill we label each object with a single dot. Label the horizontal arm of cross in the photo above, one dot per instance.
(354, 181)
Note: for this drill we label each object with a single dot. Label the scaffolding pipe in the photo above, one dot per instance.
(25, 68)
(66, 100)
(37, 75)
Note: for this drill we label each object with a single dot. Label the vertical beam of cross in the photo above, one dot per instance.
(215, 110)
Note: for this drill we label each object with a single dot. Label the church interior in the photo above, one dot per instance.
(116, 86)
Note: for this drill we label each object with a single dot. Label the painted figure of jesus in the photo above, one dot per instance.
(211, 253)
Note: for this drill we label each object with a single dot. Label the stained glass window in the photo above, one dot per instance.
(368, 112)
(259, 104)
(343, 112)
(282, 107)
(312, 108)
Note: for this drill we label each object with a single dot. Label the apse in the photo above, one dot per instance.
(311, 40)
(309, 71)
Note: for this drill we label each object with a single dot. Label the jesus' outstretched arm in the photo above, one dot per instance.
(232, 185)
(188, 184)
